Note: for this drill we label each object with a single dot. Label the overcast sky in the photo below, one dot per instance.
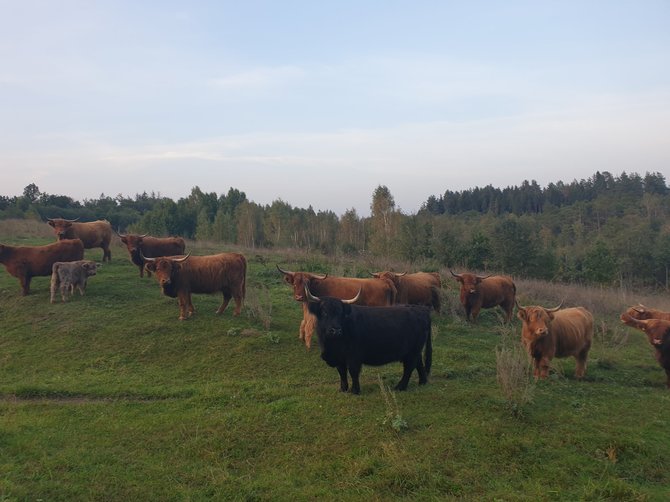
(317, 103)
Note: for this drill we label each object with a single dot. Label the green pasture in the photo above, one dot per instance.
(110, 397)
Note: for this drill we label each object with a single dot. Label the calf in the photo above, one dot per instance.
(66, 275)
(352, 335)
(549, 333)
(658, 334)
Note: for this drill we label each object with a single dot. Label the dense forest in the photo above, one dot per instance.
(602, 230)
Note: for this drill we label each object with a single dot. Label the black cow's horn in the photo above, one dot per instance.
(310, 297)
(354, 299)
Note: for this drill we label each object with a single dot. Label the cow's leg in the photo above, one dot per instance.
(355, 371)
(408, 366)
(580, 367)
(238, 304)
(667, 373)
(544, 367)
(25, 284)
(475, 312)
(142, 271)
(183, 306)
(54, 286)
(224, 304)
(344, 383)
(421, 369)
(106, 254)
(467, 312)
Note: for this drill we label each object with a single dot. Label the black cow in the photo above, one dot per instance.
(353, 335)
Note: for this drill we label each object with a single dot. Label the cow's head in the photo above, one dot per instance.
(331, 313)
(299, 281)
(640, 312)
(470, 284)
(61, 226)
(166, 269)
(536, 321)
(394, 277)
(134, 244)
(90, 267)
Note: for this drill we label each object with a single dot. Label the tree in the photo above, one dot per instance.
(384, 221)
(31, 192)
(599, 264)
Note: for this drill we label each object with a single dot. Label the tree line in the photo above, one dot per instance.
(602, 230)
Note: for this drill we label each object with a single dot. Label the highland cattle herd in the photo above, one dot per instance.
(382, 319)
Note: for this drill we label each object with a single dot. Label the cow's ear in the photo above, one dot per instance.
(478, 280)
(150, 266)
(551, 315)
(459, 279)
(288, 278)
(521, 314)
(124, 240)
(51, 224)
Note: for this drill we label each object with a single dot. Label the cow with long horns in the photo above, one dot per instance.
(419, 288)
(548, 333)
(352, 335)
(179, 276)
(94, 234)
(658, 334)
(151, 247)
(26, 262)
(373, 292)
(642, 313)
(478, 292)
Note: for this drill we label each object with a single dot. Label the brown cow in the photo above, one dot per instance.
(549, 333)
(152, 247)
(419, 288)
(642, 313)
(179, 276)
(66, 275)
(26, 262)
(94, 234)
(486, 292)
(658, 334)
(373, 293)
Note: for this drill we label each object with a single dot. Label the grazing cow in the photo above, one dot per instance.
(419, 288)
(26, 262)
(179, 276)
(658, 334)
(352, 335)
(152, 247)
(66, 275)
(94, 234)
(642, 313)
(549, 333)
(373, 292)
(486, 292)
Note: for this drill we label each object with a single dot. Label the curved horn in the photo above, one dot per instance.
(285, 272)
(120, 234)
(310, 297)
(519, 307)
(638, 309)
(319, 276)
(555, 309)
(145, 258)
(354, 299)
(400, 275)
(72, 221)
(179, 260)
(455, 275)
(481, 278)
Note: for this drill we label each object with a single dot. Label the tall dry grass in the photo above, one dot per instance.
(19, 230)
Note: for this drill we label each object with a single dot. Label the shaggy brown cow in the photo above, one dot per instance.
(66, 275)
(549, 333)
(94, 234)
(373, 293)
(26, 262)
(641, 313)
(152, 247)
(419, 288)
(486, 292)
(658, 334)
(179, 276)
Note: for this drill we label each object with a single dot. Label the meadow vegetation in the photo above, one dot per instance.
(109, 397)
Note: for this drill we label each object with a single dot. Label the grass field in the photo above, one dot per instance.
(110, 397)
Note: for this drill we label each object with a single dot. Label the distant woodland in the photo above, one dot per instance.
(609, 230)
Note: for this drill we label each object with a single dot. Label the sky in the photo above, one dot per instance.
(318, 103)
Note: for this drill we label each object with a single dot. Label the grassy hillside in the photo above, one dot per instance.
(110, 397)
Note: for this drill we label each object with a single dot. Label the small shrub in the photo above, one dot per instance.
(513, 374)
(392, 417)
(258, 305)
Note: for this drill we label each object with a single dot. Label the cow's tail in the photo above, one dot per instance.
(435, 298)
(54, 281)
(428, 356)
